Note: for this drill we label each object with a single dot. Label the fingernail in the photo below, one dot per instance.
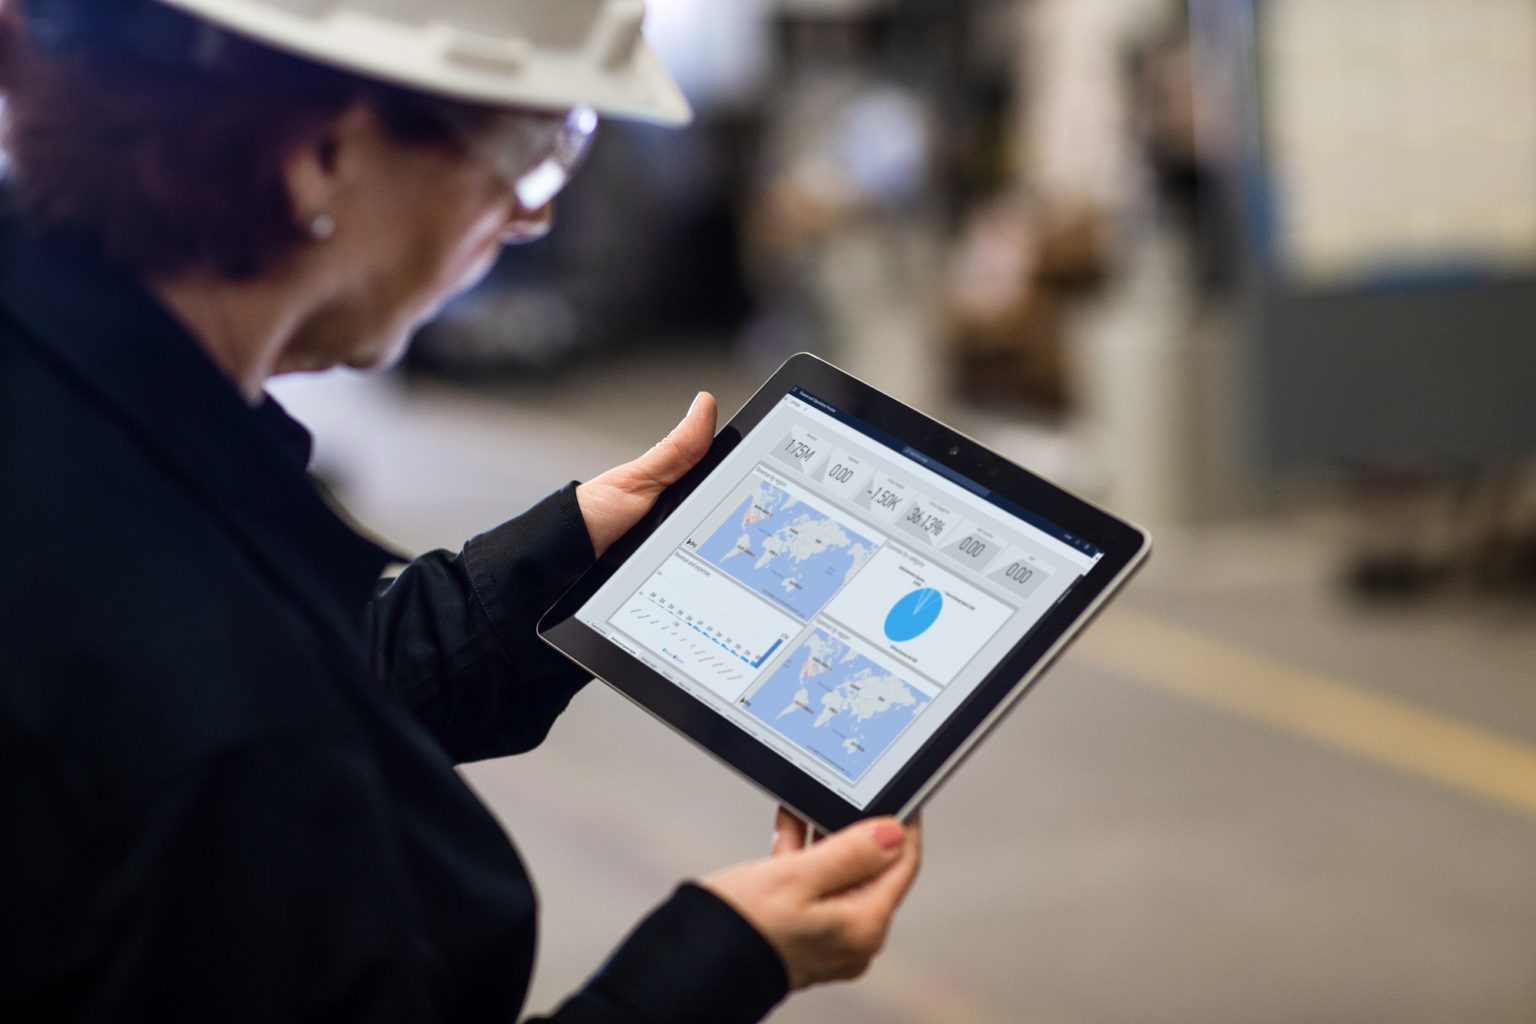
(690, 408)
(889, 834)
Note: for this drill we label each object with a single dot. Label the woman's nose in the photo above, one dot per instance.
(525, 226)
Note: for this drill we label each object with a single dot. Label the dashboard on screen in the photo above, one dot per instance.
(835, 593)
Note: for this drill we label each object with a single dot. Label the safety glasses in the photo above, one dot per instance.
(536, 154)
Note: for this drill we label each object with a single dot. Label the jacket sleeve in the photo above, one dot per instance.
(694, 959)
(453, 635)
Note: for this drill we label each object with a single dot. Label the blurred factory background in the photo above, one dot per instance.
(1260, 274)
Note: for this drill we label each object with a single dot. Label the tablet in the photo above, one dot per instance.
(844, 596)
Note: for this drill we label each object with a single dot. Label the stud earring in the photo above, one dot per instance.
(321, 226)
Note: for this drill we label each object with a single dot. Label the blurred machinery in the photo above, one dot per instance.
(1383, 160)
(648, 248)
(1233, 243)
(819, 120)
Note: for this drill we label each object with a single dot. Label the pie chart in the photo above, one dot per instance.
(910, 617)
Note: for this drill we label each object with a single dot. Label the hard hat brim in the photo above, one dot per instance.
(437, 60)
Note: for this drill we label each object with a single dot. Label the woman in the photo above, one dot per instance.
(225, 749)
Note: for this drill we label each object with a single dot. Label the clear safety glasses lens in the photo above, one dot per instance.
(539, 154)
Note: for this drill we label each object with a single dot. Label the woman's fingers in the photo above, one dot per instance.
(852, 857)
(826, 908)
(885, 891)
(788, 833)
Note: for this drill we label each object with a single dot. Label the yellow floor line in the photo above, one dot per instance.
(1330, 711)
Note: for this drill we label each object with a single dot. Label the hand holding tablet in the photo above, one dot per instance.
(613, 502)
(843, 596)
(825, 907)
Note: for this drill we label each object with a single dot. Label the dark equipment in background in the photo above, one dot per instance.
(670, 239)
(647, 250)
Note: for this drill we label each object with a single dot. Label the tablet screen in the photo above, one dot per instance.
(836, 593)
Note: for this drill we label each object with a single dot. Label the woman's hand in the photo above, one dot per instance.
(825, 908)
(615, 501)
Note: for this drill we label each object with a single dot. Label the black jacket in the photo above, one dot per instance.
(226, 750)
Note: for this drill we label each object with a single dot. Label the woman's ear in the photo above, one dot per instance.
(315, 171)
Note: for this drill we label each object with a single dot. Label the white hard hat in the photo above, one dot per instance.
(545, 54)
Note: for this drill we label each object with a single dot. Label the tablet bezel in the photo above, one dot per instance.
(1124, 547)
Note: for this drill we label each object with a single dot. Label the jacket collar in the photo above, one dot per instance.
(121, 348)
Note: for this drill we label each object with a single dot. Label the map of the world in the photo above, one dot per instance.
(790, 553)
(837, 704)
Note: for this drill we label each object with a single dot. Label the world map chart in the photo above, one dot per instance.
(785, 550)
(837, 704)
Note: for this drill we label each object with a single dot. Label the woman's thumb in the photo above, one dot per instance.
(853, 856)
(688, 442)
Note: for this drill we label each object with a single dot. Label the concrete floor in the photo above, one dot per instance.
(1239, 798)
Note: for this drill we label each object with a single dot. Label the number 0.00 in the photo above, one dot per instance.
(973, 547)
(1019, 572)
(841, 473)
